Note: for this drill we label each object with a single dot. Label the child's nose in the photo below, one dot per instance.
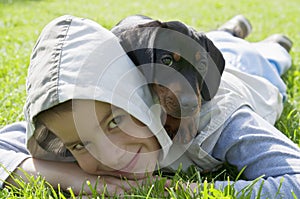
(109, 154)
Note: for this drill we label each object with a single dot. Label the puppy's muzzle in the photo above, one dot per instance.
(180, 103)
(189, 105)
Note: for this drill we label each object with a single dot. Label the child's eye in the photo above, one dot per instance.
(78, 147)
(115, 122)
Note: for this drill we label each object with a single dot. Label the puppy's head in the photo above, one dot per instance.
(198, 50)
(180, 68)
(182, 65)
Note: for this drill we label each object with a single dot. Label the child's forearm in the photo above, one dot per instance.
(70, 175)
(65, 174)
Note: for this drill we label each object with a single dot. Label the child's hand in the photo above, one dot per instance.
(114, 186)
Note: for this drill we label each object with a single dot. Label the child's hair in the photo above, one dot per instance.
(46, 138)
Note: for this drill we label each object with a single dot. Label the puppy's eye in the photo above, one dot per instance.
(167, 60)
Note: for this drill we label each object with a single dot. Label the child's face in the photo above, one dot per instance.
(105, 140)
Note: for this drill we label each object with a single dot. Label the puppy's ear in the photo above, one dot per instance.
(133, 19)
(137, 35)
(137, 40)
(153, 23)
(215, 68)
(177, 26)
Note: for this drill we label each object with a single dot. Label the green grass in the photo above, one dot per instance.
(21, 21)
(180, 187)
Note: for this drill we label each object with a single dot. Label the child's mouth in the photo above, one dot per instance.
(130, 166)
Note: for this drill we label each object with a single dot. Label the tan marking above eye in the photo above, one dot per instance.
(198, 56)
(176, 56)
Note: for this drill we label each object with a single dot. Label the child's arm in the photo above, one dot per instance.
(12, 148)
(248, 140)
(70, 175)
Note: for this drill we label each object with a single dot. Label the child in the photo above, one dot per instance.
(87, 113)
(69, 117)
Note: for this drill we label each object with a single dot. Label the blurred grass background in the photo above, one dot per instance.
(21, 21)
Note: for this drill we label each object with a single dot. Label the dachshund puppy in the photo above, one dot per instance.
(182, 66)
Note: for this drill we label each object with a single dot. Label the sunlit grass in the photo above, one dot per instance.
(193, 187)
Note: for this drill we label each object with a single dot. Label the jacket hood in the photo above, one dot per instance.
(76, 58)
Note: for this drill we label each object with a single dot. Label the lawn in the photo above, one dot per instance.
(21, 21)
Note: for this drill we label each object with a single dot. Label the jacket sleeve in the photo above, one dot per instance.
(12, 149)
(249, 141)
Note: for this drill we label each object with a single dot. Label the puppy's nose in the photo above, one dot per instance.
(189, 105)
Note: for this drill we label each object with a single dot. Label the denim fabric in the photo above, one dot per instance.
(268, 60)
(249, 141)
